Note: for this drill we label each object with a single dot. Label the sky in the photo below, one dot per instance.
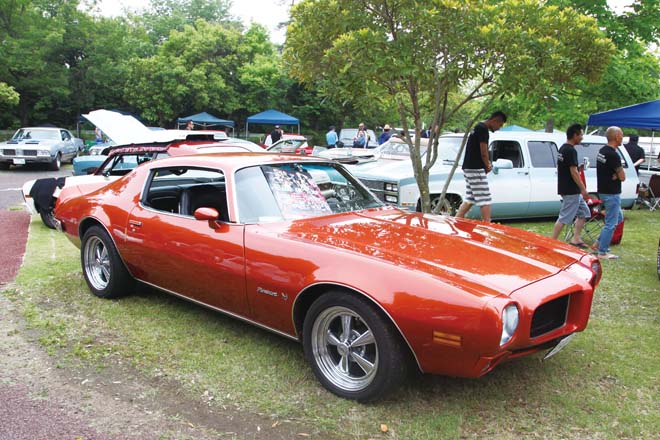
(266, 12)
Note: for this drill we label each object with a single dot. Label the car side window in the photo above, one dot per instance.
(590, 151)
(184, 190)
(543, 154)
(507, 150)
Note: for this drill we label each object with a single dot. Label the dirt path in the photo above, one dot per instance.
(39, 399)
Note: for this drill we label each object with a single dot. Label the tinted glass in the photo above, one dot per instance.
(543, 154)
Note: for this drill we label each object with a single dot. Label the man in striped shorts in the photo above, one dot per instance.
(476, 165)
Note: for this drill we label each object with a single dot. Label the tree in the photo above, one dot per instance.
(8, 96)
(424, 54)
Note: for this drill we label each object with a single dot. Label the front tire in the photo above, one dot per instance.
(104, 271)
(56, 163)
(353, 350)
(449, 206)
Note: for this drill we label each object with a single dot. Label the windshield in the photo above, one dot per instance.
(397, 150)
(35, 133)
(293, 191)
(121, 164)
(287, 145)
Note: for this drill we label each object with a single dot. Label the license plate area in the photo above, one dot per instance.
(19, 161)
(560, 345)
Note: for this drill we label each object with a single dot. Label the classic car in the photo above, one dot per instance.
(523, 183)
(48, 145)
(40, 195)
(299, 247)
(291, 145)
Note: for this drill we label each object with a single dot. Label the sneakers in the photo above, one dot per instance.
(608, 256)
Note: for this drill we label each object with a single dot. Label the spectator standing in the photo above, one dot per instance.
(385, 135)
(276, 134)
(98, 135)
(190, 125)
(331, 137)
(571, 188)
(476, 166)
(635, 152)
(610, 174)
(360, 140)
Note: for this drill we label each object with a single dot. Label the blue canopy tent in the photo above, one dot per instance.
(514, 127)
(644, 115)
(206, 120)
(271, 117)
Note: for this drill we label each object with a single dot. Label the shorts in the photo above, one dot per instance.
(476, 187)
(573, 205)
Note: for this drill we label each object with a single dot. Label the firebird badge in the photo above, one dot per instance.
(267, 292)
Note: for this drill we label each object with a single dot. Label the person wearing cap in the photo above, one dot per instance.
(276, 134)
(635, 151)
(331, 137)
(385, 135)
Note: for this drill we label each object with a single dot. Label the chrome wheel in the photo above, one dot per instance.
(97, 264)
(344, 348)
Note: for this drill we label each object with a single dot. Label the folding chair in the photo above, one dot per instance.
(649, 195)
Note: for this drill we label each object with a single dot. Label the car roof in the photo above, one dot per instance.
(234, 161)
(179, 148)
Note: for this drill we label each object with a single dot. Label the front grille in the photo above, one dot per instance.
(29, 152)
(8, 152)
(549, 316)
(374, 184)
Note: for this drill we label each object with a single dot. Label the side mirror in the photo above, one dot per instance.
(209, 214)
(502, 164)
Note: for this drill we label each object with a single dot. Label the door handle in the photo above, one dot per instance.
(135, 223)
(524, 173)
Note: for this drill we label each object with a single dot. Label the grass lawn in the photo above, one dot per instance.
(605, 384)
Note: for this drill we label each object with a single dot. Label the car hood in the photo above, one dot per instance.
(29, 142)
(487, 258)
(121, 129)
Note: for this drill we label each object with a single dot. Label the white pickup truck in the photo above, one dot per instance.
(523, 182)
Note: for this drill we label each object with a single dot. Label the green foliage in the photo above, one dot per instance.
(8, 96)
(431, 58)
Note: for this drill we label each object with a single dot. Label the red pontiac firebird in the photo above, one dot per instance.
(298, 246)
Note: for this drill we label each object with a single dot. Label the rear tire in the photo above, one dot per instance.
(104, 271)
(354, 351)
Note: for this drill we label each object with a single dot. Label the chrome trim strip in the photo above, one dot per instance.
(217, 309)
(367, 297)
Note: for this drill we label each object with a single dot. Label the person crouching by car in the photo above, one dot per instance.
(573, 193)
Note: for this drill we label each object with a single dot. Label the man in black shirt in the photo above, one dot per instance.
(275, 135)
(476, 165)
(610, 174)
(571, 188)
(635, 152)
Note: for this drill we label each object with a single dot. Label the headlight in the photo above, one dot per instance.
(510, 319)
(391, 199)
(43, 152)
(391, 187)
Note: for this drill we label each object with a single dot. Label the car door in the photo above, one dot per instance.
(168, 248)
(67, 146)
(510, 188)
(544, 200)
